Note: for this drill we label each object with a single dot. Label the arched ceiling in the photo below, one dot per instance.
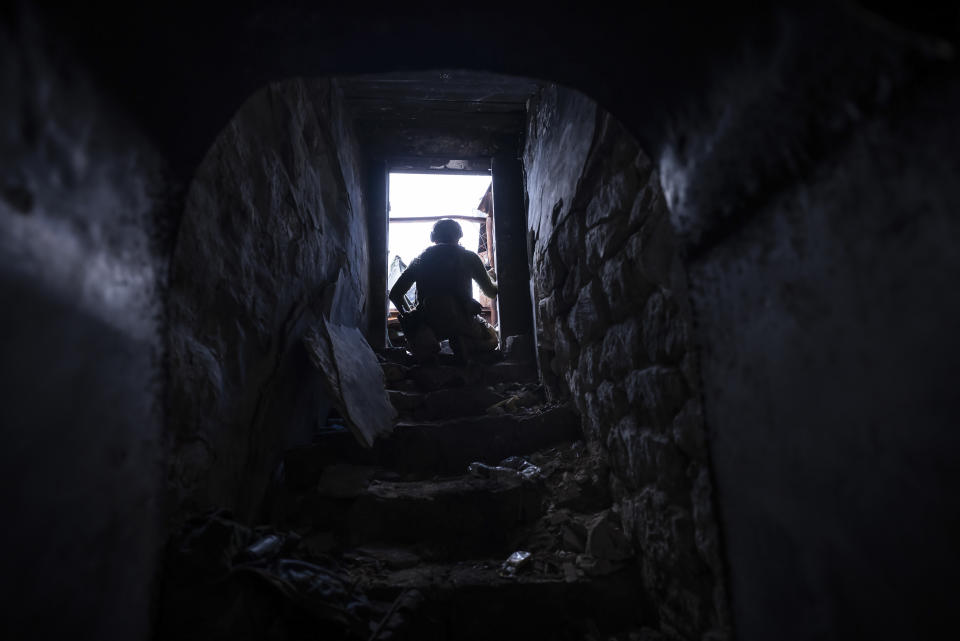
(184, 69)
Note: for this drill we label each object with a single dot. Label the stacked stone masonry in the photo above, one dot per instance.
(613, 334)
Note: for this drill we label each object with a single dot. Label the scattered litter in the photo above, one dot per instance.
(515, 563)
(510, 468)
(519, 399)
(514, 462)
(575, 478)
(527, 470)
(264, 547)
(494, 472)
(530, 472)
(223, 580)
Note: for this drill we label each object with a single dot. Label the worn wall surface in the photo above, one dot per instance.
(819, 207)
(826, 330)
(80, 429)
(273, 215)
(613, 334)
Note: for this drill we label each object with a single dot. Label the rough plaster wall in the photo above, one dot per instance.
(830, 327)
(78, 334)
(274, 213)
(613, 334)
(819, 204)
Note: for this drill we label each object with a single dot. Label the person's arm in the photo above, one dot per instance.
(479, 274)
(401, 287)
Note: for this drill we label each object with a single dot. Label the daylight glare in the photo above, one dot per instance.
(413, 195)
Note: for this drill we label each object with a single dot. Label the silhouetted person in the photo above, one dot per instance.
(445, 305)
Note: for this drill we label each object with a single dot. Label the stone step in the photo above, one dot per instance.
(471, 600)
(396, 355)
(444, 518)
(403, 357)
(428, 378)
(423, 450)
(455, 402)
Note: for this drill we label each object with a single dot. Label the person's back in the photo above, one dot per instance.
(443, 274)
(445, 270)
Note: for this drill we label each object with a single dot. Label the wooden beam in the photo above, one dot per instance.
(427, 219)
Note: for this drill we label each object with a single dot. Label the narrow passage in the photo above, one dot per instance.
(481, 516)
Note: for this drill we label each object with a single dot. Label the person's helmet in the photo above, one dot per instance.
(446, 230)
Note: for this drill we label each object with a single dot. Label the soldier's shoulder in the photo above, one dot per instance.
(466, 252)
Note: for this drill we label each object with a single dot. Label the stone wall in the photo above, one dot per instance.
(273, 215)
(80, 188)
(824, 288)
(613, 334)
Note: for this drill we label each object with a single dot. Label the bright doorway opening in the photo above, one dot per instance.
(417, 201)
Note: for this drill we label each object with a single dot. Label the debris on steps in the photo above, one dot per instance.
(473, 599)
(444, 403)
(425, 449)
(470, 400)
(428, 378)
(223, 580)
(451, 516)
(396, 355)
(482, 515)
(410, 561)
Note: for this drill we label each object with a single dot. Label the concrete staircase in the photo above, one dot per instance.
(415, 527)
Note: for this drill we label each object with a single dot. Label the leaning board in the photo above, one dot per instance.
(355, 379)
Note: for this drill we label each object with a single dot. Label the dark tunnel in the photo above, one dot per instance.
(718, 401)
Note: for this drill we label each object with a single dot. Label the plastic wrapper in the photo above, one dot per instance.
(515, 563)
